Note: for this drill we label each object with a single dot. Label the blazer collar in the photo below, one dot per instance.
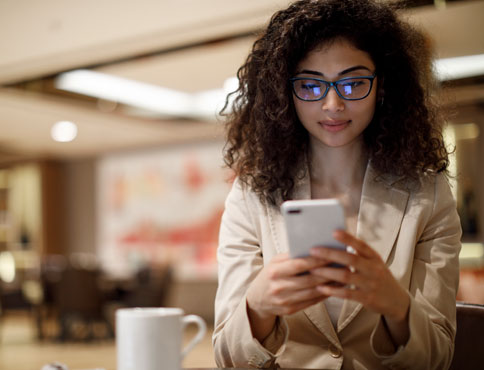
(382, 207)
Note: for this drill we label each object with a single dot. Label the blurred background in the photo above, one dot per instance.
(111, 175)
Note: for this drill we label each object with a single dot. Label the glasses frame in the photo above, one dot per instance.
(332, 84)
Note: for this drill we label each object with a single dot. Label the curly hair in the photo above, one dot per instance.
(266, 143)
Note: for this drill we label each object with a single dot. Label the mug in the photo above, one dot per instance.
(151, 338)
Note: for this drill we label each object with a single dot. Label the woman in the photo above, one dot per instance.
(334, 102)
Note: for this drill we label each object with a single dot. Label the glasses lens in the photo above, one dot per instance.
(354, 88)
(308, 89)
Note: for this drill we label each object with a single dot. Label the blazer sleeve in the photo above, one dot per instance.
(239, 261)
(433, 288)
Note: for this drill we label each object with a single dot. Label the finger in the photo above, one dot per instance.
(300, 282)
(360, 246)
(351, 263)
(294, 297)
(332, 274)
(294, 266)
(282, 257)
(345, 277)
(302, 305)
(334, 255)
(343, 292)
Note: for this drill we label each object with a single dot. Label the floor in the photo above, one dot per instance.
(20, 350)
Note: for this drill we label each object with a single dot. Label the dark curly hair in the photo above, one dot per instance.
(267, 145)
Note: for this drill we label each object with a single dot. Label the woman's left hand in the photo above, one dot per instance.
(368, 280)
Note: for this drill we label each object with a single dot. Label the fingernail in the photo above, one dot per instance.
(315, 252)
(322, 289)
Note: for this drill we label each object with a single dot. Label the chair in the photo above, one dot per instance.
(152, 287)
(80, 303)
(469, 340)
(45, 311)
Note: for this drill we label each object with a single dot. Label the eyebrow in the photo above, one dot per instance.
(348, 70)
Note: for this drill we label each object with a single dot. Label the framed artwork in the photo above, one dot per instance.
(162, 207)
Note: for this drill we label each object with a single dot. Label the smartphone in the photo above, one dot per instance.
(311, 223)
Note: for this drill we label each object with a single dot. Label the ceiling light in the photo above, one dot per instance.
(167, 102)
(459, 67)
(125, 91)
(63, 131)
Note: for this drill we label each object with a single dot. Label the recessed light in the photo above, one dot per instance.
(63, 131)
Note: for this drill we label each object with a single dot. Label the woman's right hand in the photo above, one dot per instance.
(281, 288)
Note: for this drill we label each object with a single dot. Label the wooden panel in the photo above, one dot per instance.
(53, 209)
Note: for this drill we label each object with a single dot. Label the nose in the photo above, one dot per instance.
(332, 102)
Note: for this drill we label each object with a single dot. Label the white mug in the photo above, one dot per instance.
(151, 338)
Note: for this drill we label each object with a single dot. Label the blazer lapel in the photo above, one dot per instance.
(382, 207)
(276, 221)
(318, 315)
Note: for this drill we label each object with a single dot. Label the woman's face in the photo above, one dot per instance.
(333, 121)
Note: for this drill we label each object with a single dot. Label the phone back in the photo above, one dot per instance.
(311, 223)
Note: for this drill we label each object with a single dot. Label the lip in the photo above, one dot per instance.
(334, 125)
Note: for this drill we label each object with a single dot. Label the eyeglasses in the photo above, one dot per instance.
(348, 88)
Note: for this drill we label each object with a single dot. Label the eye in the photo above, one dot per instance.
(308, 88)
(310, 85)
(354, 87)
(353, 83)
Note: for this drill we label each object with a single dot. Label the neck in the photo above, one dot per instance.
(338, 169)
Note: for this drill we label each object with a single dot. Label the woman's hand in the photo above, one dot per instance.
(281, 288)
(368, 281)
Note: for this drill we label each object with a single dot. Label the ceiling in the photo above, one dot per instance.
(186, 45)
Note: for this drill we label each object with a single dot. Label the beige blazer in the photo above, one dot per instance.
(416, 230)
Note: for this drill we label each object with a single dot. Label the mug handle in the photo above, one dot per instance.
(202, 329)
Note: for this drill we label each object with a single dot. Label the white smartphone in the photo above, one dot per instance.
(311, 223)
